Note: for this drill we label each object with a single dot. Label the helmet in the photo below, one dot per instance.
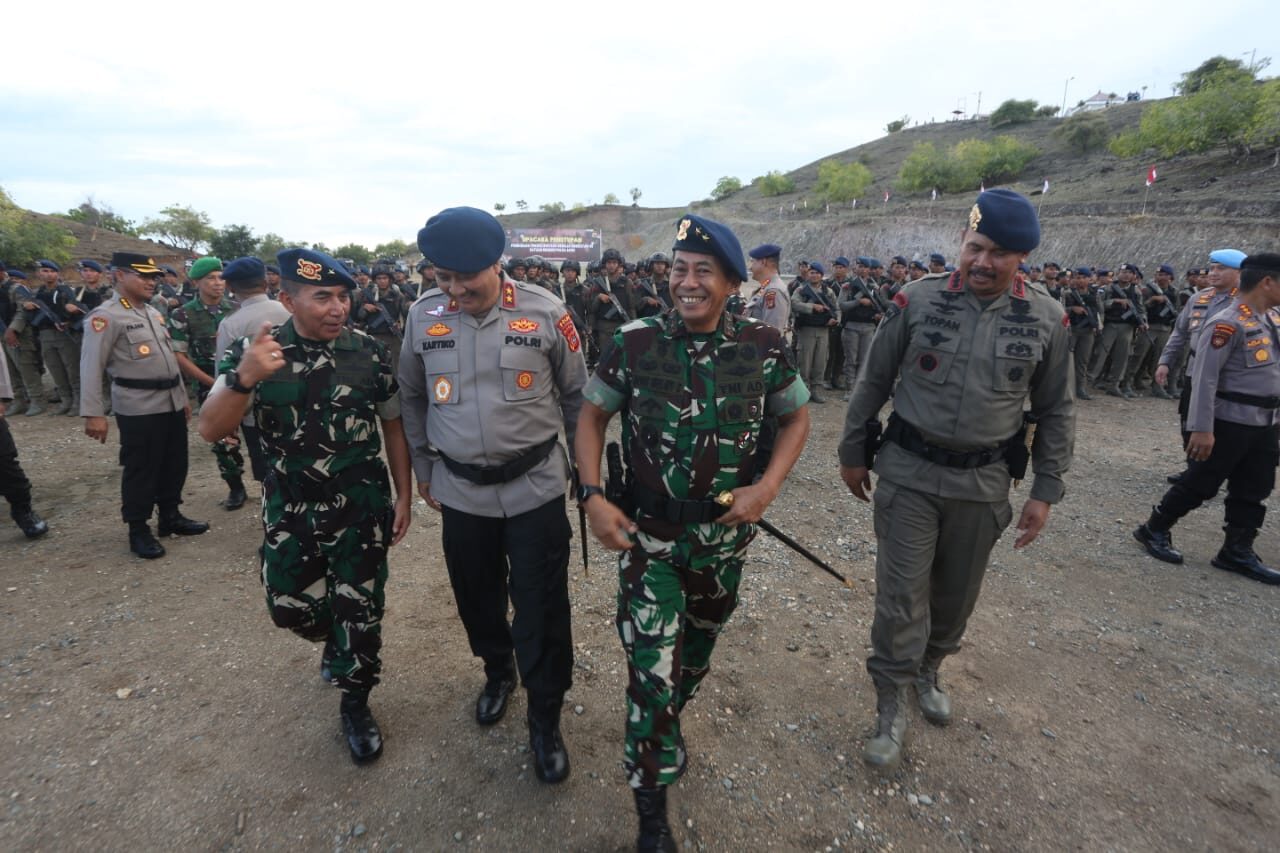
(382, 268)
(629, 268)
(612, 255)
(659, 258)
(535, 262)
(516, 262)
(571, 265)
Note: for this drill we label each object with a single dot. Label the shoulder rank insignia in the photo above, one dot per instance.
(524, 325)
(508, 295)
(770, 299)
(1222, 333)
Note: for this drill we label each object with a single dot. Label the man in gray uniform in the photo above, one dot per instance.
(1125, 314)
(1162, 312)
(490, 370)
(1232, 421)
(127, 338)
(860, 312)
(1085, 314)
(771, 303)
(816, 314)
(971, 349)
(21, 343)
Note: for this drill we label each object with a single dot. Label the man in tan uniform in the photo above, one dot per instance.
(971, 349)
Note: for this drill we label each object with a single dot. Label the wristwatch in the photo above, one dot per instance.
(585, 492)
(233, 382)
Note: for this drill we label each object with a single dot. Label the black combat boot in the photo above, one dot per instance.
(491, 704)
(326, 661)
(237, 496)
(172, 521)
(1237, 555)
(884, 750)
(1082, 393)
(655, 832)
(550, 758)
(142, 543)
(935, 704)
(364, 739)
(32, 525)
(1155, 536)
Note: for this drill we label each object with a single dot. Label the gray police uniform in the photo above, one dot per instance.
(942, 499)
(483, 401)
(772, 304)
(245, 322)
(858, 324)
(1117, 333)
(131, 343)
(1178, 352)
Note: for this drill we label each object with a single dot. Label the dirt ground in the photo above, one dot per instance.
(1105, 701)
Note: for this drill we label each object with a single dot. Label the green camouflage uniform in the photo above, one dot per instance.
(326, 506)
(193, 329)
(693, 409)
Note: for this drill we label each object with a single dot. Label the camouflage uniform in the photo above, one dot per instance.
(693, 410)
(326, 507)
(193, 329)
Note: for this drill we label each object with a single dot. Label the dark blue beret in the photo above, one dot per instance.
(273, 268)
(1023, 268)
(937, 258)
(841, 261)
(814, 265)
(1054, 264)
(766, 250)
(898, 259)
(89, 264)
(362, 269)
(1166, 269)
(1266, 261)
(707, 237)
(863, 261)
(463, 239)
(875, 264)
(917, 265)
(1083, 271)
(308, 266)
(1008, 218)
(951, 267)
(18, 274)
(168, 269)
(1102, 271)
(45, 263)
(244, 270)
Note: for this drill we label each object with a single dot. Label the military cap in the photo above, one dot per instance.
(424, 264)
(90, 264)
(244, 271)
(308, 266)
(766, 250)
(1102, 271)
(1054, 264)
(136, 262)
(937, 258)
(1227, 257)
(1083, 271)
(463, 239)
(16, 273)
(898, 259)
(1007, 218)
(1023, 268)
(168, 270)
(203, 267)
(862, 261)
(1268, 261)
(1166, 269)
(819, 267)
(707, 237)
(874, 263)
(918, 265)
(841, 261)
(45, 263)
(275, 268)
(1133, 268)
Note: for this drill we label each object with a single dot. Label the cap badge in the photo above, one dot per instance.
(683, 231)
(975, 217)
(309, 270)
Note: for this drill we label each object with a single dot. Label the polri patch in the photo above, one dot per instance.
(1222, 333)
(524, 380)
(98, 324)
(524, 325)
(566, 328)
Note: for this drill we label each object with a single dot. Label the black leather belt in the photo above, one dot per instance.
(148, 384)
(1250, 399)
(299, 488)
(909, 439)
(492, 476)
(674, 510)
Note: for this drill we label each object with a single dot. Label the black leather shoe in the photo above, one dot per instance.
(1173, 479)
(175, 522)
(142, 543)
(1237, 555)
(236, 497)
(550, 758)
(32, 525)
(655, 832)
(1159, 543)
(491, 705)
(364, 738)
(326, 659)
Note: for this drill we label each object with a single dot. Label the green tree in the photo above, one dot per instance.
(499, 207)
(354, 251)
(394, 249)
(1264, 131)
(552, 207)
(181, 226)
(774, 183)
(925, 168)
(610, 198)
(897, 124)
(1219, 113)
(1084, 132)
(233, 241)
(1046, 111)
(1013, 111)
(101, 216)
(841, 182)
(635, 196)
(271, 244)
(1214, 71)
(521, 204)
(725, 187)
(24, 239)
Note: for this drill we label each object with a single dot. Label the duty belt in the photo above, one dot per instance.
(674, 510)
(492, 476)
(148, 384)
(1250, 399)
(299, 488)
(909, 439)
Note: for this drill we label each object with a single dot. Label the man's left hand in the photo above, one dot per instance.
(403, 515)
(1034, 515)
(749, 504)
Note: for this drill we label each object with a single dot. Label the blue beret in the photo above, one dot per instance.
(707, 237)
(88, 264)
(766, 250)
(168, 270)
(814, 265)
(1007, 218)
(45, 263)
(841, 261)
(18, 274)
(917, 265)
(1133, 268)
(273, 268)
(1083, 271)
(898, 259)
(1166, 269)
(362, 269)
(463, 239)
(244, 270)
(1227, 257)
(863, 261)
(1023, 268)
(875, 264)
(937, 258)
(308, 266)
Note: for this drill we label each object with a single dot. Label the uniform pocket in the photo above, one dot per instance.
(882, 506)
(931, 355)
(1015, 361)
(525, 374)
(141, 344)
(442, 377)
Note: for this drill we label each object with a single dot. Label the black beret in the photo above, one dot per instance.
(273, 268)
(308, 266)
(1269, 261)
(766, 250)
(1133, 268)
(1102, 271)
(707, 237)
(463, 239)
(88, 264)
(45, 263)
(1166, 269)
(1008, 218)
(917, 265)
(244, 271)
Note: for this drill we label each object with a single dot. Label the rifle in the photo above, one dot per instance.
(25, 295)
(371, 297)
(76, 324)
(1166, 309)
(832, 311)
(1131, 312)
(870, 293)
(613, 299)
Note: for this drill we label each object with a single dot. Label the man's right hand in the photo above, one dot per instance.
(11, 338)
(263, 358)
(1162, 374)
(424, 492)
(858, 480)
(609, 524)
(96, 428)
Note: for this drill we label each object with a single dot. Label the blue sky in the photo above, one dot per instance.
(355, 122)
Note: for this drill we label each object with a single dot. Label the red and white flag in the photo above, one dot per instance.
(1045, 188)
(1151, 176)
(886, 195)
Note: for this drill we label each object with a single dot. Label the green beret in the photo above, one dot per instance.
(203, 267)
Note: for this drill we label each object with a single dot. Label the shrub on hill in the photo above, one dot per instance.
(774, 183)
(25, 239)
(1013, 111)
(1084, 132)
(841, 182)
(966, 165)
(725, 187)
(1220, 113)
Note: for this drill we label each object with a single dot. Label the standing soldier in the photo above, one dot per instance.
(772, 303)
(381, 305)
(834, 374)
(575, 299)
(55, 319)
(653, 295)
(8, 310)
(127, 338)
(610, 299)
(14, 484)
(1162, 310)
(693, 387)
(971, 349)
(860, 312)
(273, 282)
(193, 328)
(491, 370)
(22, 344)
(1085, 313)
(816, 312)
(317, 390)
(1125, 315)
(1232, 421)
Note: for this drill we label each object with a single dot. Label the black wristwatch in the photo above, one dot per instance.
(233, 382)
(585, 492)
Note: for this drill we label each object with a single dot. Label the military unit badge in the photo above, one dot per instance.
(1222, 333)
(98, 323)
(438, 329)
(524, 325)
(524, 380)
(442, 389)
